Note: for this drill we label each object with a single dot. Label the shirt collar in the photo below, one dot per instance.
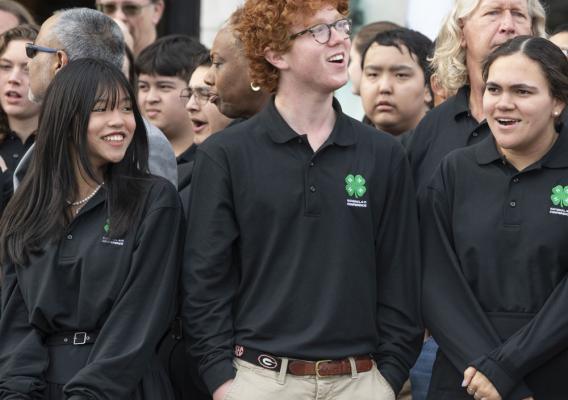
(461, 102)
(188, 155)
(486, 152)
(280, 132)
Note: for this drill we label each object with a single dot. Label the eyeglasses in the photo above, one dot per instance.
(322, 32)
(200, 94)
(128, 9)
(33, 49)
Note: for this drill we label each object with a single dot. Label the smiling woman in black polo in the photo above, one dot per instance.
(495, 227)
(89, 247)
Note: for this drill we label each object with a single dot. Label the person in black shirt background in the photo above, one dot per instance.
(90, 250)
(468, 35)
(18, 115)
(302, 265)
(493, 224)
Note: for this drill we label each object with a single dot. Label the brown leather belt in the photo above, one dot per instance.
(304, 368)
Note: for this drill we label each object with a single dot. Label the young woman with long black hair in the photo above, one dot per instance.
(90, 246)
(495, 222)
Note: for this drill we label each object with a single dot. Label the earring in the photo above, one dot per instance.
(254, 87)
(556, 114)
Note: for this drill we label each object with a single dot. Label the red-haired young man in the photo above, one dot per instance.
(302, 268)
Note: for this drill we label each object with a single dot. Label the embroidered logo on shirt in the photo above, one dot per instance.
(107, 240)
(355, 187)
(559, 197)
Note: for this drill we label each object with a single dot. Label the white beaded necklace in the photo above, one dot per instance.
(89, 197)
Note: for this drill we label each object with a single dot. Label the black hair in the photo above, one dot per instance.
(204, 60)
(418, 45)
(172, 55)
(38, 212)
(551, 60)
(368, 32)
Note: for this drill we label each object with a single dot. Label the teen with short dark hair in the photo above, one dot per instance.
(395, 85)
(89, 250)
(163, 70)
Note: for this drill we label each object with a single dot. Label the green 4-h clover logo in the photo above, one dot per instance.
(559, 196)
(355, 185)
(107, 226)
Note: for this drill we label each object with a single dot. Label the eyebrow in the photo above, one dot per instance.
(399, 67)
(515, 86)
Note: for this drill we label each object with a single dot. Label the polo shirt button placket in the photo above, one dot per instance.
(475, 134)
(513, 204)
(312, 189)
(515, 180)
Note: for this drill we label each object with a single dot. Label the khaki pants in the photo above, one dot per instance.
(257, 383)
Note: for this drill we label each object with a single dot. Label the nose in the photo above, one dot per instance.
(117, 118)
(15, 76)
(504, 102)
(153, 95)
(385, 84)
(335, 36)
(209, 78)
(192, 105)
(507, 23)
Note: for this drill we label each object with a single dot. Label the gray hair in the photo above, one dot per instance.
(84, 32)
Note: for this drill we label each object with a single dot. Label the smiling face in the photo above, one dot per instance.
(492, 23)
(519, 107)
(160, 102)
(206, 118)
(110, 131)
(15, 82)
(394, 94)
(312, 66)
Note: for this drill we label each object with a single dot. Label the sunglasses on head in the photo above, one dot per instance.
(33, 49)
(128, 9)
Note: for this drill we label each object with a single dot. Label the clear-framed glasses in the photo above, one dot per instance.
(128, 9)
(200, 94)
(33, 49)
(322, 32)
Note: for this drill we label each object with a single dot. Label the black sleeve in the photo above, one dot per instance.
(23, 357)
(544, 337)
(209, 278)
(398, 278)
(450, 309)
(142, 311)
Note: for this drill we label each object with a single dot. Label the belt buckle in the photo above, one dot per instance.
(80, 338)
(317, 367)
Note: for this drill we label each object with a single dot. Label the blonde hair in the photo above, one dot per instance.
(449, 61)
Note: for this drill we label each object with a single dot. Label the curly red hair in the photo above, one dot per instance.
(266, 24)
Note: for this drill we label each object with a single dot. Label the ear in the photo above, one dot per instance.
(158, 12)
(557, 108)
(461, 24)
(427, 96)
(278, 60)
(60, 61)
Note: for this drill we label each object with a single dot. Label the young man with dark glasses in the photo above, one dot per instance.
(302, 271)
(140, 16)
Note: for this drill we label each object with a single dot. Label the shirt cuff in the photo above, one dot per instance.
(217, 374)
(503, 382)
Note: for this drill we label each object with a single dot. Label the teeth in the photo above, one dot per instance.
(114, 138)
(506, 121)
(338, 57)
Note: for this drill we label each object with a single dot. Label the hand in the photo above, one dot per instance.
(479, 386)
(221, 391)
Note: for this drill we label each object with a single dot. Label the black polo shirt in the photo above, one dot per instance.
(496, 263)
(445, 128)
(302, 254)
(12, 149)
